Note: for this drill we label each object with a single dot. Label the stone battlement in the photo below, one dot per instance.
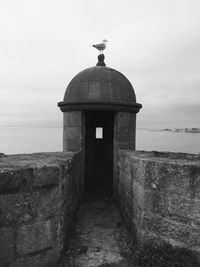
(39, 195)
(158, 195)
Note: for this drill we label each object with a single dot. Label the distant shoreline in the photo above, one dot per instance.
(173, 130)
(182, 130)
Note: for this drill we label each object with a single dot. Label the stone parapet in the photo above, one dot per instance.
(159, 197)
(39, 195)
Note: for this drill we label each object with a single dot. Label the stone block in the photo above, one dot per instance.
(137, 169)
(45, 258)
(18, 208)
(30, 261)
(56, 231)
(73, 133)
(137, 212)
(138, 193)
(72, 94)
(47, 175)
(125, 134)
(107, 94)
(83, 88)
(6, 245)
(50, 257)
(34, 237)
(67, 185)
(168, 177)
(127, 183)
(126, 145)
(169, 229)
(117, 93)
(182, 208)
(15, 180)
(126, 120)
(114, 90)
(94, 90)
(165, 196)
(80, 91)
(49, 203)
(156, 202)
(125, 178)
(72, 119)
(194, 184)
(71, 145)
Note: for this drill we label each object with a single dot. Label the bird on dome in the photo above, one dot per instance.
(101, 46)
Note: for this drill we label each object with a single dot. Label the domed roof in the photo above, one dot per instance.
(99, 87)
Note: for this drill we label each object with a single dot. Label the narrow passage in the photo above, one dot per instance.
(99, 237)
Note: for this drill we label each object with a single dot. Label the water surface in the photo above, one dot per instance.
(14, 140)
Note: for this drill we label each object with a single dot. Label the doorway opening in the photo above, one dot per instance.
(99, 131)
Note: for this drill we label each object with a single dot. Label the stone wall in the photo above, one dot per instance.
(124, 130)
(39, 194)
(159, 197)
(124, 138)
(72, 131)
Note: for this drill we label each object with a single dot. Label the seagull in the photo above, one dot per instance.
(101, 46)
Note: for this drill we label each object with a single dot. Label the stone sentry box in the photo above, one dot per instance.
(99, 97)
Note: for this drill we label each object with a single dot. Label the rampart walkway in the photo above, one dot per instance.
(99, 237)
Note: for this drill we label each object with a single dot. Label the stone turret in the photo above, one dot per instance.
(98, 88)
(101, 99)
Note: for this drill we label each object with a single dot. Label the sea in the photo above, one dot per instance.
(18, 140)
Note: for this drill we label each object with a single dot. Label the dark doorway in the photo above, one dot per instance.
(99, 150)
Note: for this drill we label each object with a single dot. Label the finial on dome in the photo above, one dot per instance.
(101, 62)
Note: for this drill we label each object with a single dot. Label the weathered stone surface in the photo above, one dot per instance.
(18, 208)
(168, 177)
(180, 232)
(99, 236)
(47, 175)
(165, 197)
(125, 130)
(183, 208)
(80, 91)
(6, 244)
(17, 171)
(94, 90)
(34, 202)
(56, 232)
(99, 81)
(125, 118)
(15, 179)
(30, 261)
(71, 145)
(49, 203)
(124, 134)
(138, 193)
(156, 202)
(44, 259)
(126, 145)
(34, 237)
(73, 133)
(72, 119)
(137, 169)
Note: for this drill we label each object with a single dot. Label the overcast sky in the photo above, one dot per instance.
(154, 43)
